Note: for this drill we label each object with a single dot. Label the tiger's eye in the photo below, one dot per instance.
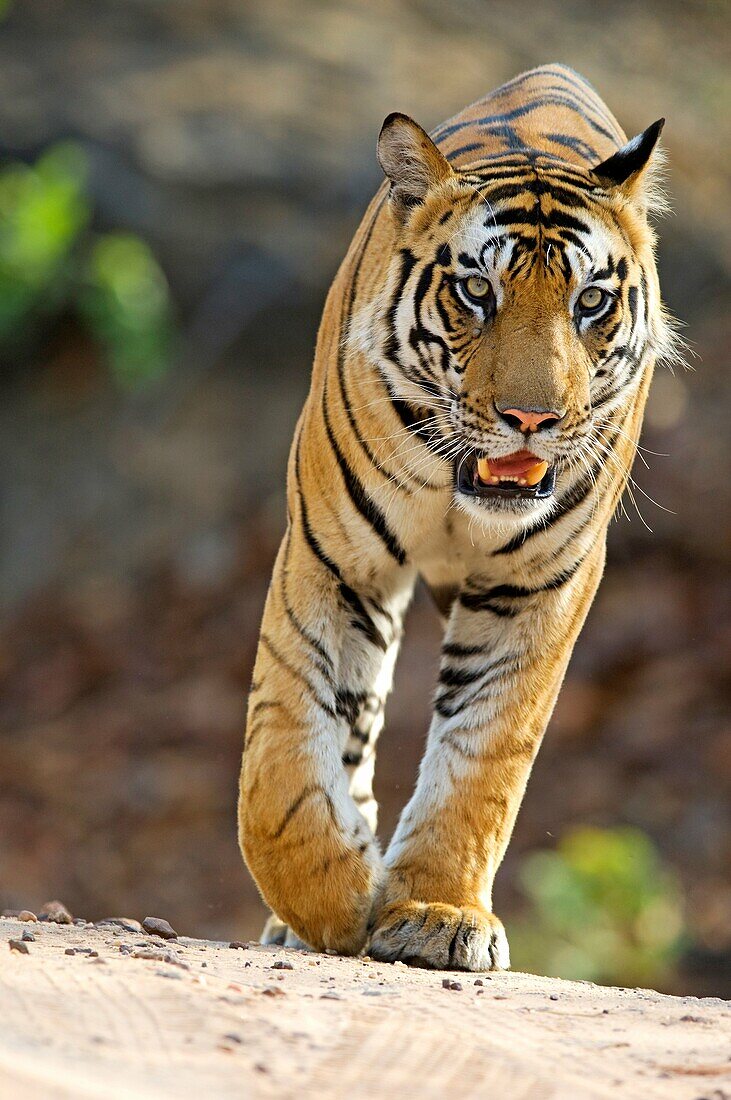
(591, 298)
(477, 287)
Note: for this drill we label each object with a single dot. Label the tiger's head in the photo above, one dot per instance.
(520, 308)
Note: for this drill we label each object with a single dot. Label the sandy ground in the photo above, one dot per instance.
(140, 1017)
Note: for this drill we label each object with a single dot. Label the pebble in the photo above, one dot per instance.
(479, 981)
(449, 983)
(56, 912)
(331, 996)
(553, 997)
(156, 926)
(233, 1037)
(19, 945)
(25, 914)
(280, 964)
(159, 955)
(272, 991)
(129, 924)
(28, 936)
(237, 945)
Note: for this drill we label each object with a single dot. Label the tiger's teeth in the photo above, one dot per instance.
(536, 473)
(483, 469)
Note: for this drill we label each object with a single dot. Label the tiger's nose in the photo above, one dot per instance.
(530, 420)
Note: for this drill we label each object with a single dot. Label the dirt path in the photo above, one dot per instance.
(263, 1022)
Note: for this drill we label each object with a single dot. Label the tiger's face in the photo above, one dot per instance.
(518, 310)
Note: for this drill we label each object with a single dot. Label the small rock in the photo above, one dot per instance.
(129, 924)
(330, 996)
(25, 914)
(70, 951)
(281, 964)
(553, 997)
(233, 1037)
(237, 945)
(19, 946)
(28, 936)
(156, 926)
(56, 912)
(479, 981)
(449, 983)
(272, 991)
(160, 955)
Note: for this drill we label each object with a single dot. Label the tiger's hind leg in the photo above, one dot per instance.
(276, 933)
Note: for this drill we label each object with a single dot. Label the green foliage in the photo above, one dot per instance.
(126, 303)
(51, 263)
(42, 213)
(602, 907)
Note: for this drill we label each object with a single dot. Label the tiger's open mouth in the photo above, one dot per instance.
(522, 475)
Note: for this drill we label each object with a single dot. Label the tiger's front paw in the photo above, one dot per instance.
(443, 937)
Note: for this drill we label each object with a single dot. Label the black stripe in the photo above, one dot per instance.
(325, 665)
(390, 349)
(295, 672)
(362, 621)
(370, 511)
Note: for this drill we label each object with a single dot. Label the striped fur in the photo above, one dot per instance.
(405, 382)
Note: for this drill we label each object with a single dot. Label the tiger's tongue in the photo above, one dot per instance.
(521, 465)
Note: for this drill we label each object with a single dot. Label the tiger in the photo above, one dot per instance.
(479, 380)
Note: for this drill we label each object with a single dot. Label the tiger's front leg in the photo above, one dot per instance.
(504, 656)
(324, 666)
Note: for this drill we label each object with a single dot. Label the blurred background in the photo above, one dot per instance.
(178, 182)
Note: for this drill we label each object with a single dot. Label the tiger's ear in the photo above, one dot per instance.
(412, 162)
(630, 166)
